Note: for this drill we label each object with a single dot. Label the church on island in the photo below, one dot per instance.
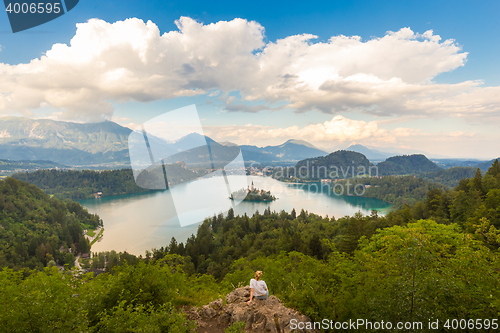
(252, 194)
(250, 189)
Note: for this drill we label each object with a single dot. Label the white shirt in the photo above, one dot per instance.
(259, 287)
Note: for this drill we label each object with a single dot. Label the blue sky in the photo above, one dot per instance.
(439, 130)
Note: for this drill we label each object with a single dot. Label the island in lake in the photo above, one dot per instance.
(252, 194)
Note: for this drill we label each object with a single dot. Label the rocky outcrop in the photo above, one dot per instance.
(268, 315)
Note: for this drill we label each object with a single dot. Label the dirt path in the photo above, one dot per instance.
(77, 263)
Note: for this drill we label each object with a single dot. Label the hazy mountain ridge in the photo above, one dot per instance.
(107, 142)
(291, 150)
(371, 154)
(382, 153)
(486, 165)
(45, 133)
(80, 144)
(63, 142)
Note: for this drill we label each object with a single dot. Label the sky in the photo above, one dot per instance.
(414, 75)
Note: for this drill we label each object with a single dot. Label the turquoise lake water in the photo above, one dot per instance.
(140, 222)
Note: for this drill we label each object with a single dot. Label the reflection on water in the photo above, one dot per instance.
(139, 222)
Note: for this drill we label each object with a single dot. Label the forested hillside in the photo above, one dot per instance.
(406, 165)
(33, 227)
(398, 190)
(450, 177)
(77, 185)
(339, 164)
(435, 260)
(401, 190)
(474, 202)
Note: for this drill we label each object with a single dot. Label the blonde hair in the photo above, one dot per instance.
(258, 275)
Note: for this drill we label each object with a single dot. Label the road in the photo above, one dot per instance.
(95, 235)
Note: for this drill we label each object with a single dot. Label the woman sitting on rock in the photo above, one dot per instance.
(258, 287)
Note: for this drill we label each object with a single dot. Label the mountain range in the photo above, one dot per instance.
(377, 154)
(63, 142)
(370, 153)
(292, 150)
(76, 144)
(105, 145)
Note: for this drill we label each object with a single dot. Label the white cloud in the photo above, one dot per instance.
(338, 130)
(130, 60)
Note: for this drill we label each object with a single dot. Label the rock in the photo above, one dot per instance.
(207, 312)
(239, 295)
(260, 316)
(211, 310)
(192, 314)
(217, 304)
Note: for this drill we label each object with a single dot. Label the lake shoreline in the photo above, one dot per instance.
(142, 221)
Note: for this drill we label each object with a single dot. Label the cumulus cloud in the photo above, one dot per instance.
(338, 130)
(131, 60)
(341, 132)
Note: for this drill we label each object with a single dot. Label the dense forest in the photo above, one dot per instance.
(348, 164)
(472, 206)
(435, 260)
(450, 177)
(339, 164)
(401, 190)
(36, 231)
(78, 185)
(398, 190)
(406, 165)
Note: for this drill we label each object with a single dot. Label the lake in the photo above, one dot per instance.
(139, 222)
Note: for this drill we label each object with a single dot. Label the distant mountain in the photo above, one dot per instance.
(396, 151)
(370, 153)
(446, 163)
(77, 144)
(292, 150)
(486, 165)
(8, 167)
(339, 164)
(405, 165)
(63, 142)
(201, 151)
